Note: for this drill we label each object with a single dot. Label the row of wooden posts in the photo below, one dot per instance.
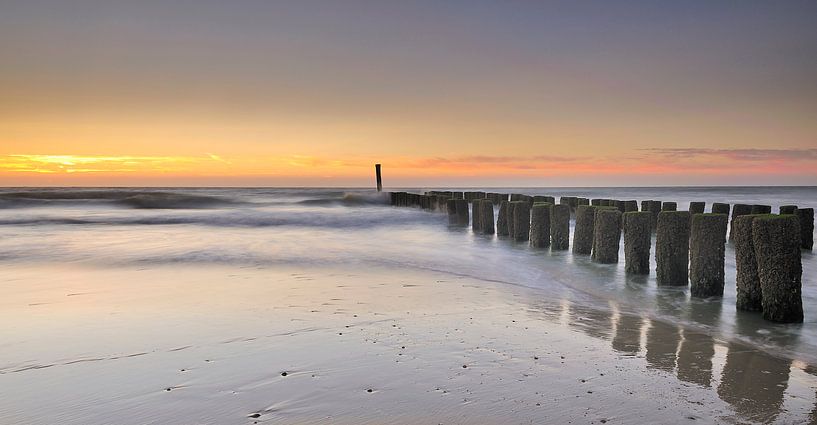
(690, 245)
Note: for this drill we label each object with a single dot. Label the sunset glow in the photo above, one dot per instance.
(258, 93)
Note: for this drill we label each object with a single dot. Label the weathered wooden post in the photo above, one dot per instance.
(511, 207)
(669, 206)
(462, 212)
(596, 202)
(720, 208)
(619, 206)
(476, 219)
(540, 225)
(630, 206)
(521, 221)
(672, 248)
(379, 180)
(606, 236)
(748, 283)
(737, 211)
(583, 232)
(777, 248)
(451, 206)
(582, 201)
(761, 209)
(655, 208)
(645, 205)
(788, 209)
(502, 219)
(637, 231)
(486, 216)
(697, 207)
(806, 216)
(560, 227)
(707, 246)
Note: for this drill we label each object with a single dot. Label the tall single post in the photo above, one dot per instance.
(697, 207)
(707, 246)
(462, 212)
(606, 235)
(777, 248)
(720, 208)
(379, 180)
(637, 231)
(672, 248)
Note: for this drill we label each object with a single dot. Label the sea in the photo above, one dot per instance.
(112, 228)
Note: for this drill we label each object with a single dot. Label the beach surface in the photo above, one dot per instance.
(215, 345)
(351, 313)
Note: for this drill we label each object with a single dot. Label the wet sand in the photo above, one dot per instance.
(245, 345)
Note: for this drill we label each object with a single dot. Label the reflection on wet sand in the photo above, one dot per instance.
(627, 339)
(662, 345)
(752, 382)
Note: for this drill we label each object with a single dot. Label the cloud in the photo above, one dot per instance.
(749, 155)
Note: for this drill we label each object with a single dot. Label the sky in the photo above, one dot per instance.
(442, 93)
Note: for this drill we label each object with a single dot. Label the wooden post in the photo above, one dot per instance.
(540, 225)
(637, 230)
(379, 180)
(747, 280)
(777, 249)
(606, 235)
(583, 231)
(560, 227)
(708, 237)
(672, 248)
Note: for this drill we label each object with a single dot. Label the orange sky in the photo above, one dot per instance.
(476, 94)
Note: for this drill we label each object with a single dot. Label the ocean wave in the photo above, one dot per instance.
(122, 198)
(351, 199)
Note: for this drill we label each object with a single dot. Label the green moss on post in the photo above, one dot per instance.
(788, 209)
(540, 224)
(761, 209)
(707, 246)
(747, 280)
(806, 216)
(582, 201)
(697, 207)
(777, 248)
(672, 248)
(560, 227)
(606, 236)
(486, 216)
(502, 219)
(720, 208)
(521, 221)
(637, 241)
(583, 231)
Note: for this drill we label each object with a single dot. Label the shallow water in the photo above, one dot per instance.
(146, 229)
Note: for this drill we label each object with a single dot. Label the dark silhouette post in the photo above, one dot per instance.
(379, 180)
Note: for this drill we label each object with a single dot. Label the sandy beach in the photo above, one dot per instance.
(217, 345)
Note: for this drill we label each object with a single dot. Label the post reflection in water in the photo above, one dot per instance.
(754, 382)
(627, 339)
(662, 345)
(698, 348)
